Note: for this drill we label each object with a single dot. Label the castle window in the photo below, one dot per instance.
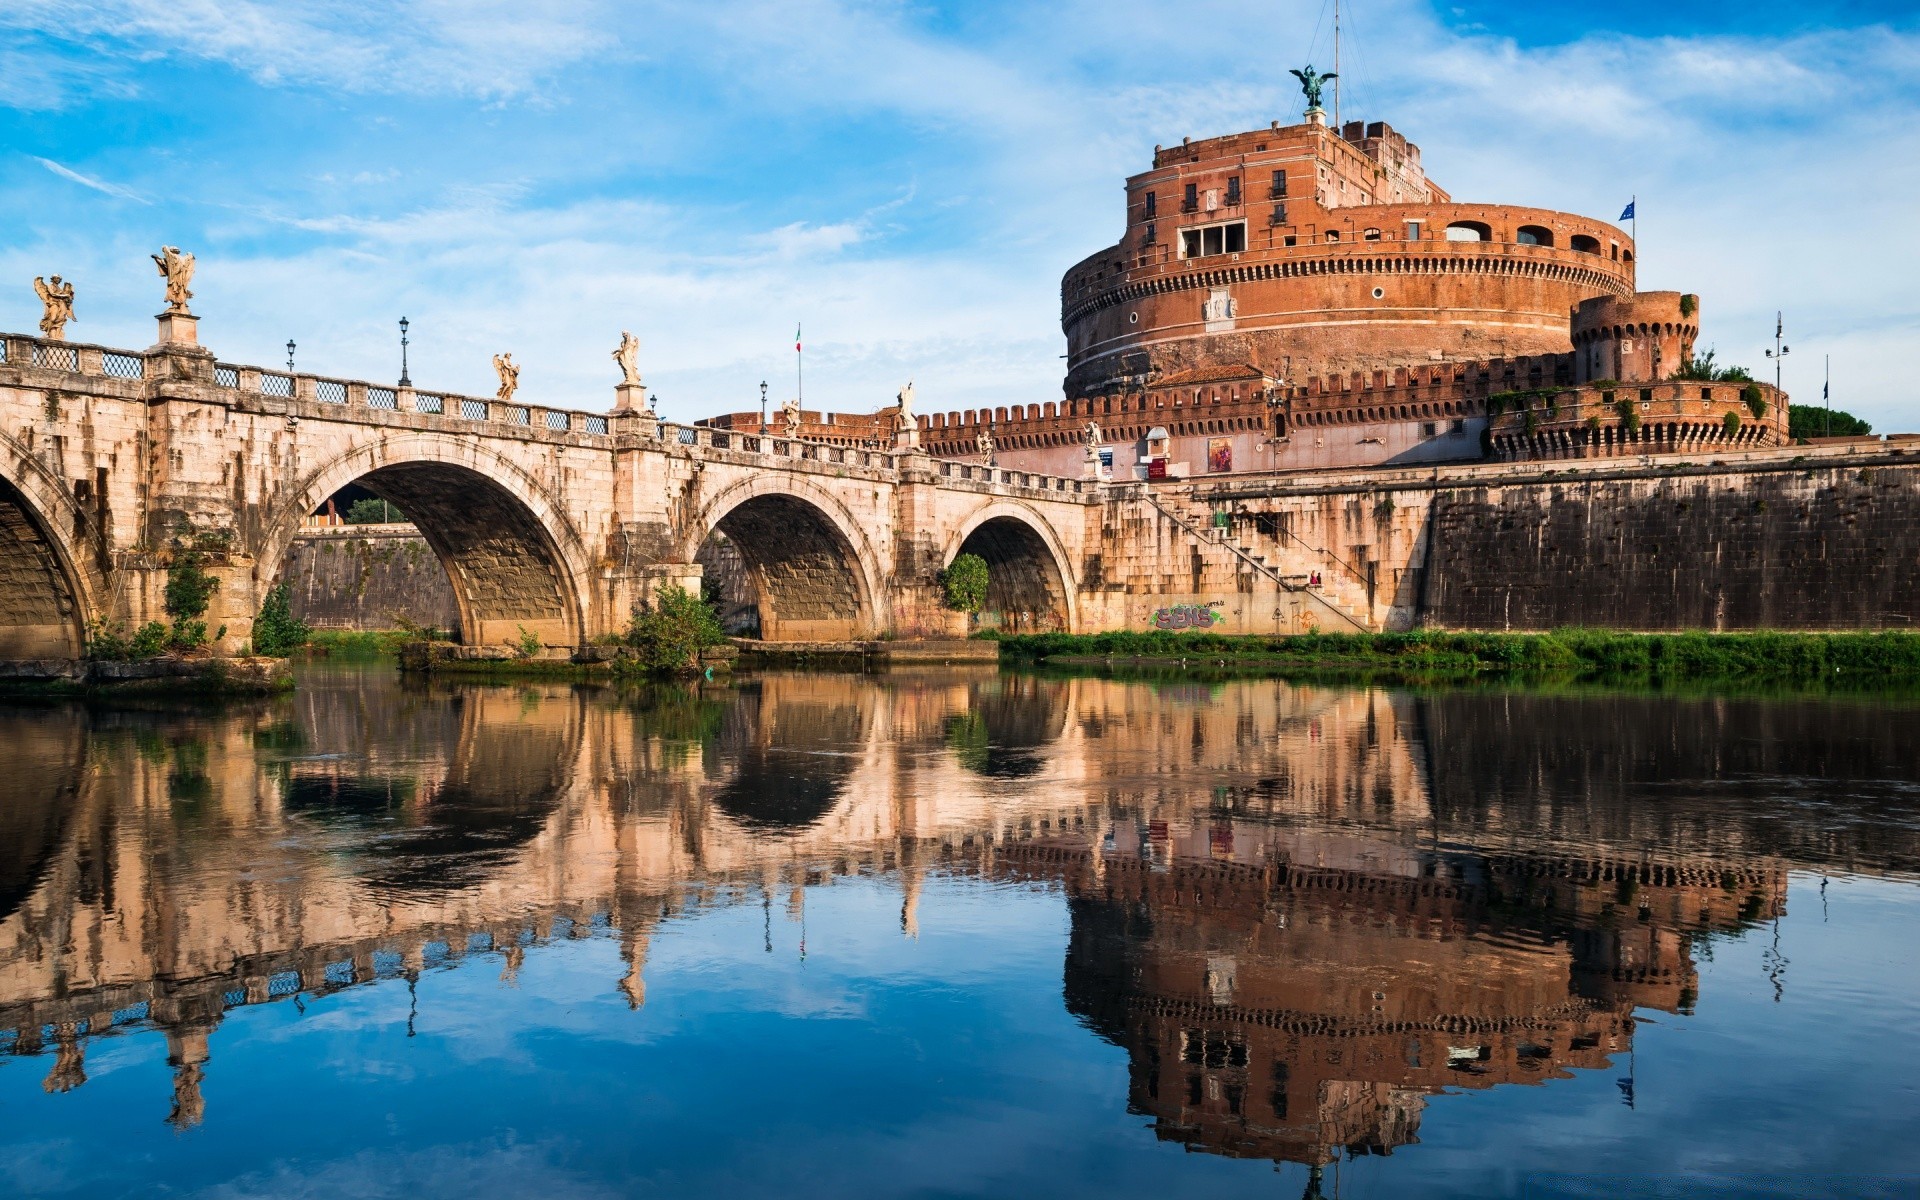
(1279, 215)
(1469, 231)
(1151, 205)
(1429, 429)
(1585, 244)
(1371, 235)
(1148, 238)
(1291, 240)
(1614, 251)
(1233, 191)
(1230, 238)
(1534, 235)
(1333, 235)
(1279, 184)
(1413, 231)
(1191, 199)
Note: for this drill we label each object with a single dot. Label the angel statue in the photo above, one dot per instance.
(509, 372)
(1311, 81)
(58, 299)
(1093, 440)
(790, 413)
(903, 408)
(983, 442)
(177, 269)
(628, 356)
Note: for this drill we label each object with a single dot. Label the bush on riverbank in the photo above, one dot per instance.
(1571, 653)
(667, 636)
(276, 631)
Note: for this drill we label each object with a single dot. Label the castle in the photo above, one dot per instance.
(1301, 297)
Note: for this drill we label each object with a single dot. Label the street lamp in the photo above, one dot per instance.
(1780, 349)
(289, 354)
(404, 381)
(763, 408)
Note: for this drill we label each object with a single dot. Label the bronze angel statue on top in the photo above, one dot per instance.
(1311, 83)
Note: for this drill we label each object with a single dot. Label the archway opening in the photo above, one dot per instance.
(39, 616)
(505, 573)
(779, 569)
(1025, 591)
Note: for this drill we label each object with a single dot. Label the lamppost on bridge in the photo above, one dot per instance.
(763, 408)
(289, 354)
(1780, 350)
(404, 381)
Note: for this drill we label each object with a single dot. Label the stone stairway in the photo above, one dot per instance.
(1339, 613)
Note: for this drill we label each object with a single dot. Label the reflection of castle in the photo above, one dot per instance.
(1286, 902)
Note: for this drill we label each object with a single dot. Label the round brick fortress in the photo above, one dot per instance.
(1308, 252)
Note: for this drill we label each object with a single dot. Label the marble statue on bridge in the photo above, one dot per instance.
(58, 299)
(790, 415)
(509, 373)
(984, 443)
(628, 356)
(177, 269)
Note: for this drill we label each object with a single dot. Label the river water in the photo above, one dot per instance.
(959, 934)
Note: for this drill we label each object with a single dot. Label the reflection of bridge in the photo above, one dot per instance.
(1273, 909)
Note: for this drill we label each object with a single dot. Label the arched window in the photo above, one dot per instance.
(1469, 231)
(1585, 244)
(1333, 235)
(1371, 235)
(1534, 235)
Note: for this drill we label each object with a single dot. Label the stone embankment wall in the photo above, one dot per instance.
(368, 577)
(1825, 547)
(1803, 537)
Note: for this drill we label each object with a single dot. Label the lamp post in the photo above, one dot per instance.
(404, 381)
(1780, 349)
(763, 408)
(289, 354)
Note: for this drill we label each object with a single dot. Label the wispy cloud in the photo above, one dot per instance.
(88, 181)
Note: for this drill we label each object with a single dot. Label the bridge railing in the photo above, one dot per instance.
(105, 362)
(772, 446)
(981, 473)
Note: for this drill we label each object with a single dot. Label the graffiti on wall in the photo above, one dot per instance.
(1187, 616)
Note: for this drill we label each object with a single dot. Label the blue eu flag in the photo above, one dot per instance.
(1626, 214)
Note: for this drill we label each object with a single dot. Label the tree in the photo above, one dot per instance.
(276, 631)
(1812, 421)
(1702, 368)
(669, 634)
(965, 582)
(372, 512)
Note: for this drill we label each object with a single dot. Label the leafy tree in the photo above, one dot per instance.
(965, 582)
(372, 512)
(189, 588)
(1812, 421)
(276, 631)
(1702, 368)
(669, 634)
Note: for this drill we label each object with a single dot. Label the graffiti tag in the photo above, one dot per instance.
(1186, 616)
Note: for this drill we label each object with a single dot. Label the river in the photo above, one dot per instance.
(958, 934)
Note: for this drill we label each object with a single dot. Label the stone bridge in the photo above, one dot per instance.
(549, 521)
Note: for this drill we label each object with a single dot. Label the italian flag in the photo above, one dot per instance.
(796, 339)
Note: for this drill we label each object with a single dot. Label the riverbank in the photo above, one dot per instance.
(164, 676)
(1848, 659)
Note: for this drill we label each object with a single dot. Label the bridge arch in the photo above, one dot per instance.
(1030, 581)
(48, 587)
(510, 550)
(789, 550)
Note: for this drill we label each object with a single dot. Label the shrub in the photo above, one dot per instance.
(1731, 423)
(1702, 368)
(1756, 403)
(189, 588)
(276, 631)
(529, 643)
(186, 635)
(669, 634)
(151, 640)
(965, 582)
(1689, 304)
(1629, 415)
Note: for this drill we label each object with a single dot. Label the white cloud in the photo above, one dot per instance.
(89, 181)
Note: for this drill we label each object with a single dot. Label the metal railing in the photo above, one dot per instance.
(330, 391)
(427, 402)
(276, 385)
(123, 366)
(379, 397)
(226, 377)
(473, 410)
(56, 357)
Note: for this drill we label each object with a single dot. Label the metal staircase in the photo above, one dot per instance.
(1196, 520)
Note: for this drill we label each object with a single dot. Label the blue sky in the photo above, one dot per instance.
(909, 180)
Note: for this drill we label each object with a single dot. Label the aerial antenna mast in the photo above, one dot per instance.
(1336, 64)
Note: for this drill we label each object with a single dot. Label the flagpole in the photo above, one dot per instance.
(799, 369)
(1826, 395)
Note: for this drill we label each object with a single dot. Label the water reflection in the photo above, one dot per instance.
(1301, 913)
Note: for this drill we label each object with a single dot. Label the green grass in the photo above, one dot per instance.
(358, 643)
(1568, 655)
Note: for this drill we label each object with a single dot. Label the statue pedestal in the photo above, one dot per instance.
(1316, 116)
(178, 329)
(630, 397)
(907, 439)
